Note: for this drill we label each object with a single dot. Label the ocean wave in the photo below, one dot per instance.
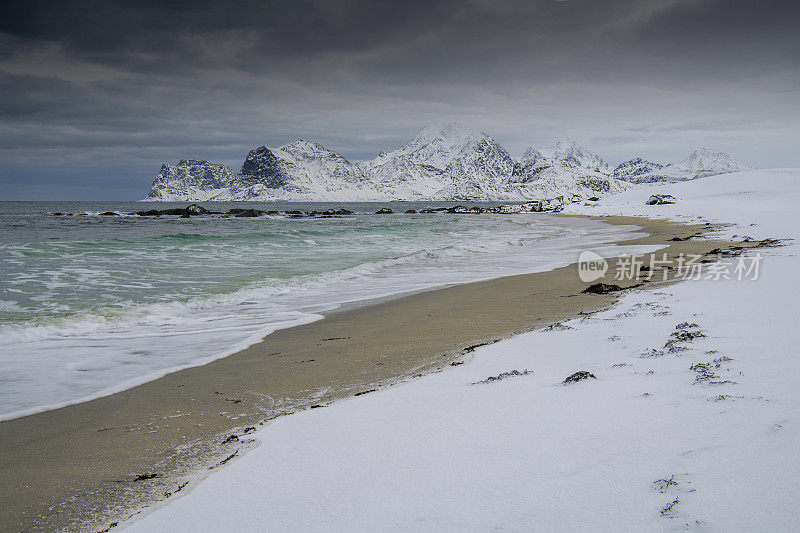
(73, 351)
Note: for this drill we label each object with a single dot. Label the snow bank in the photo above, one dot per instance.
(653, 443)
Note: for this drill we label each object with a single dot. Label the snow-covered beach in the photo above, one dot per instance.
(700, 436)
(399, 266)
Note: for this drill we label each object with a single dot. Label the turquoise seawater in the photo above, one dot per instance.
(90, 304)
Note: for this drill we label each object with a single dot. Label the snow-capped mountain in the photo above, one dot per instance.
(569, 150)
(298, 171)
(699, 164)
(566, 168)
(632, 169)
(702, 163)
(191, 179)
(446, 162)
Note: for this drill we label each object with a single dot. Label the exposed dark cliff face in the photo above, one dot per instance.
(261, 166)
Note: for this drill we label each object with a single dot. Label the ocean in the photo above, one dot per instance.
(92, 304)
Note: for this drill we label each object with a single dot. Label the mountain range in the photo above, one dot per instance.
(447, 162)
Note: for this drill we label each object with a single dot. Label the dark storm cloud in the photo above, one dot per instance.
(98, 94)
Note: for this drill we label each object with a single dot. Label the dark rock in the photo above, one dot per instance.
(601, 288)
(579, 376)
(249, 213)
(142, 477)
(660, 199)
(177, 211)
(232, 438)
(149, 213)
(460, 209)
(593, 199)
(263, 167)
(235, 211)
(195, 209)
(410, 211)
(58, 214)
(384, 211)
(109, 214)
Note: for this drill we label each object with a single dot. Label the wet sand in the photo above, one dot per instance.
(76, 468)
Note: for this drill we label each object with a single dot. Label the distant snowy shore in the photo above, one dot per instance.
(703, 437)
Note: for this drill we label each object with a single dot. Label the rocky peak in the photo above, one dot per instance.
(571, 151)
(705, 162)
(634, 167)
(262, 166)
(531, 155)
(438, 145)
(302, 149)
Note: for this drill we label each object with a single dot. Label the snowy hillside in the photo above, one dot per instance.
(190, 179)
(633, 168)
(447, 162)
(700, 164)
(569, 150)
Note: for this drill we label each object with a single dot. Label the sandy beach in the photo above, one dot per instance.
(399, 267)
(673, 409)
(90, 465)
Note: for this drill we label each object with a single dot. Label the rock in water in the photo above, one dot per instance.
(248, 213)
(195, 209)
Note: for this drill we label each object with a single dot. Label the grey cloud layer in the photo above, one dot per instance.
(98, 94)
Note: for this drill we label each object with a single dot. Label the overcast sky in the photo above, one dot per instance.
(96, 95)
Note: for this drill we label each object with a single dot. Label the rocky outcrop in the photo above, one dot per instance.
(190, 179)
(579, 376)
(660, 199)
(262, 167)
(633, 169)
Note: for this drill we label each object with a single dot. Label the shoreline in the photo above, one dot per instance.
(93, 451)
(256, 321)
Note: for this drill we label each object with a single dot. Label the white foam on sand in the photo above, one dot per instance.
(91, 355)
(653, 443)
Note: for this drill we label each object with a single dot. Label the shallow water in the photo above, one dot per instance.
(91, 304)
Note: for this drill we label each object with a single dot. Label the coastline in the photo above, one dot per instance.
(79, 463)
